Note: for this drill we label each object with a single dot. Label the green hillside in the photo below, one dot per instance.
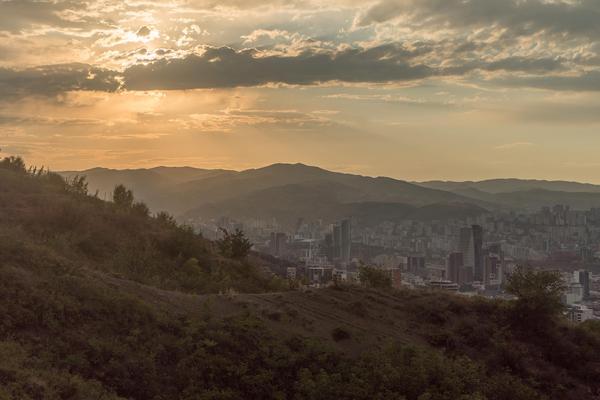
(99, 300)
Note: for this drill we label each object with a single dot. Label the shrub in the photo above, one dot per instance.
(375, 278)
(339, 334)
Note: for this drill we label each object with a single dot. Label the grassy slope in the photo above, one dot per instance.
(99, 303)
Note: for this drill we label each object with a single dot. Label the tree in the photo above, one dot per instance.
(234, 245)
(140, 208)
(13, 163)
(539, 296)
(166, 219)
(77, 185)
(373, 277)
(123, 197)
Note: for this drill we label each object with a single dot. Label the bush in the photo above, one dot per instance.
(339, 334)
(539, 297)
(234, 245)
(375, 278)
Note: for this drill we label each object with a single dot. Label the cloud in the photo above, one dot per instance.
(231, 119)
(225, 67)
(17, 16)
(222, 67)
(55, 79)
(144, 31)
(521, 17)
(512, 146)
(584, 82)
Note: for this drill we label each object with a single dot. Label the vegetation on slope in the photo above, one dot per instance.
(69, 332)
(47, 221)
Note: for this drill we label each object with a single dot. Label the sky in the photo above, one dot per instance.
(412, 89)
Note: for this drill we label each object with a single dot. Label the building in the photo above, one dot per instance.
(319, 275)
(573, 294)
(415, 265)
(291, 273)
(443, 285)
(492, 267)
(341, 241)
(346, 241)
(278, 243)
(454, 265)
(337, 242)
(471, 246)
(580, 313)
(583, 278)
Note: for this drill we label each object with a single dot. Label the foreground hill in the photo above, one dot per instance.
(104, 302)
(56, 223)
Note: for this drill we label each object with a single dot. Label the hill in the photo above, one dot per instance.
(514, 185)
(291, 190)
(528, 195)
(325, 201)
(102, 301)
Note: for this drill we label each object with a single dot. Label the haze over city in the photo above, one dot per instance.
(416, 90)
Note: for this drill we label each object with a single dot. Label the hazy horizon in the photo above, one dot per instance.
(500, 178)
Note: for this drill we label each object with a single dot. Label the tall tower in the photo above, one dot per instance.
(455, 264)
(337, 241)
(478, 267)
(346, 232)
(471, 246)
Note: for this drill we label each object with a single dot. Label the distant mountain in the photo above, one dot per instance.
(524, 194)
(537, 198)
(513, 185)
(290, 191)
(283, 191)
(325, 201)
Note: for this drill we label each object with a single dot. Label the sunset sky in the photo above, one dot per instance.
(413, 89)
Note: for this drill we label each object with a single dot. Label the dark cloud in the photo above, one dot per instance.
(54, 79)
(225, 67)
(18, 15)
(520, 16)
(144, 31)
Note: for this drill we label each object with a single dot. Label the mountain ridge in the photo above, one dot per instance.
(200, 193)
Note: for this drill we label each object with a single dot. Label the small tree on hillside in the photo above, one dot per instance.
(140, 208)
(13, 163)
(77, 185)
(234, 245)
(375, 278)
(123, 197)
(539, 296)
(166, 219)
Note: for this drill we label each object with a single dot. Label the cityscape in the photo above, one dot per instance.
(471, 257)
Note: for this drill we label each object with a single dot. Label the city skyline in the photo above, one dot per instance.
(413, 90)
